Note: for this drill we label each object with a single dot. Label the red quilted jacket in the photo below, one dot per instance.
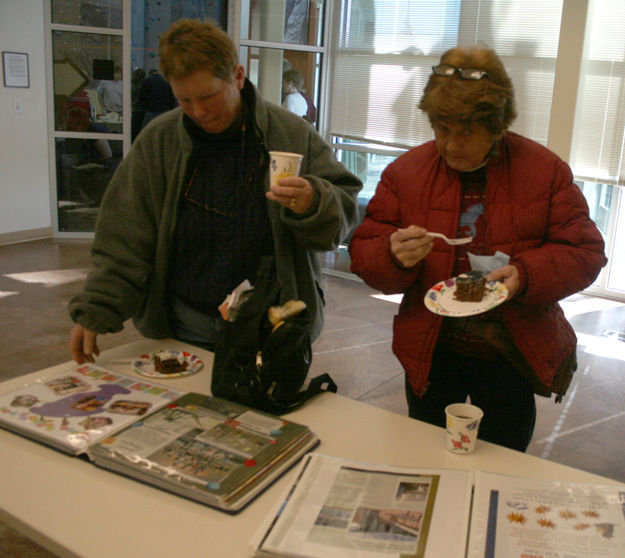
(534, 213)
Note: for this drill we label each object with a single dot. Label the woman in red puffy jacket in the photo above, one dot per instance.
(517, 200)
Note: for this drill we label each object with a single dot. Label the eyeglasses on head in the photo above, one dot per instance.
(446, 70)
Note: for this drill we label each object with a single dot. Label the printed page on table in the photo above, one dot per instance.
(75, 408)
(338, 508)
(515, 517)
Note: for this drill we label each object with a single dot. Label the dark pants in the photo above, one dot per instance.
(136, 123)
(192, 326)
(495, 386)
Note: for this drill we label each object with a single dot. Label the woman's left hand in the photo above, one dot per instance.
(293, 192)
(509, 276)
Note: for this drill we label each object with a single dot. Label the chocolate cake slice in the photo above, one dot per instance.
(470, 286)
(169, 365)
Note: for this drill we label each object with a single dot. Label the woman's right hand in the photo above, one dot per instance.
(410, 245)
(83, 345)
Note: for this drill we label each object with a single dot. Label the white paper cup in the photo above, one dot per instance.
(463, 422)
(282, 164)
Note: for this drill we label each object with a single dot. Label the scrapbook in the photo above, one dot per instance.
(204, 448)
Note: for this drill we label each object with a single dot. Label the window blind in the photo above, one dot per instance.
(385, 50)
(598, 146)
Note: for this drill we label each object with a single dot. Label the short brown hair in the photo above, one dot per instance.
(192, 45)
(489, 101)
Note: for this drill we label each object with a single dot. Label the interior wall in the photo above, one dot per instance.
(24, 182)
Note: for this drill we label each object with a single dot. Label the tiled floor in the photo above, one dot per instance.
(584, 431)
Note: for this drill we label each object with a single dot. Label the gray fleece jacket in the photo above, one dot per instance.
(131, 252)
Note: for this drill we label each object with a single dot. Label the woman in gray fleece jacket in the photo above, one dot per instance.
(135, 242)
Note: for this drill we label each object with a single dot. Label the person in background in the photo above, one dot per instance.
(110, 92)
(138, 110)
(293, 100)
(311, 113)
(92, 150)
(189, 212)
(155, 96)
(511, 195)
(296, 81)
(85, 165)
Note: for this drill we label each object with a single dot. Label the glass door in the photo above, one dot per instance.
(88, 105)
(282, 49)
(100, 53)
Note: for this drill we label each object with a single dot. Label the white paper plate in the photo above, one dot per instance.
(440, 299)
(144, 365)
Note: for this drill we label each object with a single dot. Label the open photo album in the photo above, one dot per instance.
(204, 448)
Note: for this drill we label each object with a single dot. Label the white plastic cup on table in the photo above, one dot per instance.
(463, 423)
(283, 164)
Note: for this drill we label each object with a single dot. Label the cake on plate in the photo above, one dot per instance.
(169, 364)
(470, 287)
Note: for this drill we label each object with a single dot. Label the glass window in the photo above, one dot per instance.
(84, 168)
(600, 116)
(87, 82)
(88, 107)
(93, 13)
(385, 50)
(599, 198)
(289, 21)
(149, 20)
(366, 161)
(608, 212)
(286, 77)
(616, 269)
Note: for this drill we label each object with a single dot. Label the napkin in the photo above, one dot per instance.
(486, 264)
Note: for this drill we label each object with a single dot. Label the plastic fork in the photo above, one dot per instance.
(451, 241)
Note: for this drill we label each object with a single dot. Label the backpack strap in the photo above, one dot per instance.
(317, 385)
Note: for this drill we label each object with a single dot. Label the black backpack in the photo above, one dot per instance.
(260, 365)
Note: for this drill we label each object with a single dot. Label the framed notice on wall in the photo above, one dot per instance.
(15, 67)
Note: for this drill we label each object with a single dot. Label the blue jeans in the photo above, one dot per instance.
(495, 386)
(192, 326)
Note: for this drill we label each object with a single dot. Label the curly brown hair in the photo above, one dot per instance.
(191, 45)
(487, 101)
